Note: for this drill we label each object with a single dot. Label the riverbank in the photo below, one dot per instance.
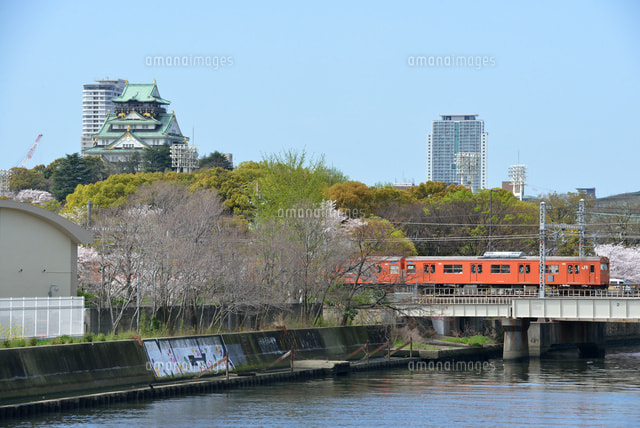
(55, 372)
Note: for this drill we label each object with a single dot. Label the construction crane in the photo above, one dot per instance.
(33, 149)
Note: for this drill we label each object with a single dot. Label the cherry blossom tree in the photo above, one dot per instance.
(624, 261)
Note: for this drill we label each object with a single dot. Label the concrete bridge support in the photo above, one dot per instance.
(515, 339)
(534, 339)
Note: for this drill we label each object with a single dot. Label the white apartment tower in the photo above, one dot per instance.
(96, 102)
(457, 151)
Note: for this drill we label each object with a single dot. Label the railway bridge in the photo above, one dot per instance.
(533, 325)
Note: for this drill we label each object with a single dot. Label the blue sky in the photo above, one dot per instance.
(559, 90)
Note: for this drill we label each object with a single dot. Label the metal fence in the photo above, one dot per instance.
(41, 317)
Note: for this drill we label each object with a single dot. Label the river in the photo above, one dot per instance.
(552, 392)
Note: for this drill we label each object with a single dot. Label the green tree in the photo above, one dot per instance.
(353, 197)
(157, 158)
(72, 171)
(216, 160)
(236, 188)
(22, 179)
(289, 180)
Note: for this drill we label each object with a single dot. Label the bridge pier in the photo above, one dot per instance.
(515, 339)
(534, 339)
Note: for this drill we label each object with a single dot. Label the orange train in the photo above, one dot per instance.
(492, 270)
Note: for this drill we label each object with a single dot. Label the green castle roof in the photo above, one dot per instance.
(140, 92)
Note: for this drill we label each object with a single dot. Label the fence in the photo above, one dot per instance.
(41, 317)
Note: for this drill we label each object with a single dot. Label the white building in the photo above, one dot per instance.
(457, 151)
(96, 101)
(38, 252)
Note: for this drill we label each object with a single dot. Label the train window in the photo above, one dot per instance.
(592, 269)
(604, 266)
(553, 269)
(411, 268)
(426, 268)
(473, 268)
(527, 268)
(394, 269)
(433, 268)
(500, 268)
(570, 269)
(576, 269)
(452, 268)
(521, 269)
(378, 268)
(479, 268)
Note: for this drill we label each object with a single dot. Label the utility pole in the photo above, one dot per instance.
(491, 218)
(581, 227)
(542, 248)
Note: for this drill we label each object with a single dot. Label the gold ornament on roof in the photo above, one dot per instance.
(127, 128)
(126, 82)
(154, 81)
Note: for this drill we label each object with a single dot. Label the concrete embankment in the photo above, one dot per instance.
(58, 377)
(33, 373)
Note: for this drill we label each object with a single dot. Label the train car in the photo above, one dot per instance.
(493, 270)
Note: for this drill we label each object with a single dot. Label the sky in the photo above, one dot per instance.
(556, 83)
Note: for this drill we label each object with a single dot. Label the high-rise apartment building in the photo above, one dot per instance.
(457, 151)
(96, 102)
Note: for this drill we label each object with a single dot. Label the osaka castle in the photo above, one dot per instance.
(140, 121)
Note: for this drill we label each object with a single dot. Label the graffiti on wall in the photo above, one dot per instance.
(176, 357)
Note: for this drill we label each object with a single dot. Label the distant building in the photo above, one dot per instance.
(457, 151)
(518, 176)
(590, 191)
(96, 101)
(403, 186)
(140, 121)
(38, 251)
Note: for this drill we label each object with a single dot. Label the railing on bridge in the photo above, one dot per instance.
(499, 296)
(583, 305)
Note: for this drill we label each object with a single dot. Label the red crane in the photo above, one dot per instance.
(33, 149)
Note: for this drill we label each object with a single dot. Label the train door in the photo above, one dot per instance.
(592, 273)
(573, 273)
(524, 273)
(429, 274)
(474, 272)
